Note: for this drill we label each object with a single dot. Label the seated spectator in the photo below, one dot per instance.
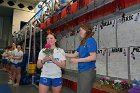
(60, 4)
(64, 2)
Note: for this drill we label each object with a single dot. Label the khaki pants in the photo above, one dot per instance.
(86, 80)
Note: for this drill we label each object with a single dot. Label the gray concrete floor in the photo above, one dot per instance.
(25, 88)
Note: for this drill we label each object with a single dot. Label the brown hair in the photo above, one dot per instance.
(56, 44)
(88, 28)
(14, 44)
(19, 45)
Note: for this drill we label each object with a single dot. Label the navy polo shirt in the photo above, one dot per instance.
(84, 51)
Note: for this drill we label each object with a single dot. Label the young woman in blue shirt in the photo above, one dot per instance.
(86, 53)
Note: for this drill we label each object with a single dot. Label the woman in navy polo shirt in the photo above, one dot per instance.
(87, 59)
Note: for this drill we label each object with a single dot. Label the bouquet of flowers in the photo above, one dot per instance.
(106, 81)
(116, 84)
(48, 51)
(121, 85)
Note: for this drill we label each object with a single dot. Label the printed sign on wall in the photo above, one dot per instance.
(107, 34)
(135, 63)
(101, 62)
(118, 63)
(129, 31)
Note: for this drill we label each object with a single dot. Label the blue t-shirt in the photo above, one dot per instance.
(84, 51)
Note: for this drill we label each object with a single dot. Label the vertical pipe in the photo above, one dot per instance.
(30, 38)
(74, 43)
(34, 45)
(67, 44)
(107, 62)
(98, 37)
(25, 36)
(116, 30)
(128, 62)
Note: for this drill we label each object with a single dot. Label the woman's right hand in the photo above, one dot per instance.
(47, 58)
(10, 57)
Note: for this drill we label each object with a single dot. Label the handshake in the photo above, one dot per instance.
(11, 57)
(51, 58)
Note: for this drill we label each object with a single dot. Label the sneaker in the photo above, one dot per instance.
(15, 84)
(10, 82)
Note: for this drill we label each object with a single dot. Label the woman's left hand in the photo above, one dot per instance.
(74, 60)
(11, 57)
(51, 57)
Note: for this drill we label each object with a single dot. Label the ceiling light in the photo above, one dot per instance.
(20, 5)
(30, 7)
(10, 3)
